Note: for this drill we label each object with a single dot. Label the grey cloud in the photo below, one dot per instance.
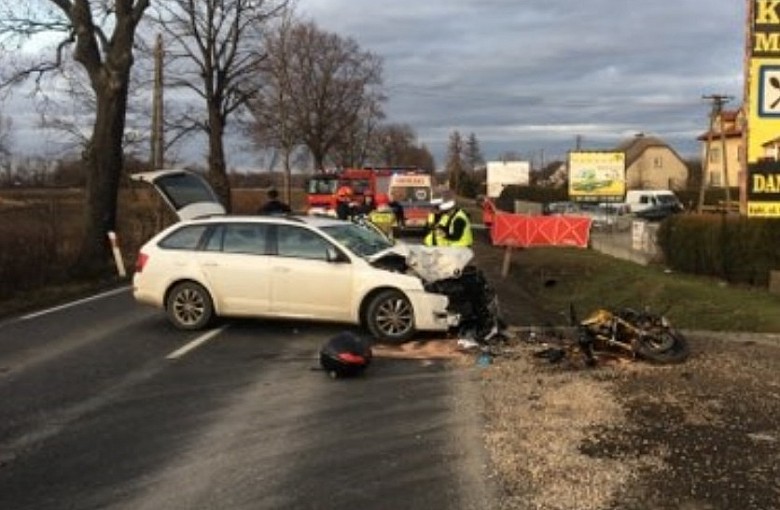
(527, 75)
(548, 68)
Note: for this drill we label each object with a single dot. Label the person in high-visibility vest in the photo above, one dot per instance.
(383, 215)
(454, 226)
(431, 222)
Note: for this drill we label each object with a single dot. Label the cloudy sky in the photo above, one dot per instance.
(530, 76)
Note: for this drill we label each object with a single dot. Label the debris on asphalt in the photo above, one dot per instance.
(420, 349)
(484, 359)
(468, 344)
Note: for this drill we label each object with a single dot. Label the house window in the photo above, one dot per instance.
(715, 179)
(658, 162)
(714, 155)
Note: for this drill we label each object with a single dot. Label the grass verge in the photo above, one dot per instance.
(555, 277)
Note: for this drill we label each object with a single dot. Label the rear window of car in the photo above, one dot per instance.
(184, 188)
(250, 238)
(184, 238)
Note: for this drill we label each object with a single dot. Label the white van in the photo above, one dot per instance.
(653, 202)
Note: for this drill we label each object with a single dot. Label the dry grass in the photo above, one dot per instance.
(41, 231)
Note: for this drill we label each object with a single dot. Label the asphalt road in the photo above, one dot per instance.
(104, 405)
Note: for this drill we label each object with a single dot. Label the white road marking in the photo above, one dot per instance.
(178, 353)
(74, 303)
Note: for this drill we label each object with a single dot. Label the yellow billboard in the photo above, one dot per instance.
(597, 175)
(763, 110)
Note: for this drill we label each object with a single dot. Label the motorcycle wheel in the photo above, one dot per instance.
(665, 346)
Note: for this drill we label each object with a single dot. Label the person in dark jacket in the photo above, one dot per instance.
(273, 205)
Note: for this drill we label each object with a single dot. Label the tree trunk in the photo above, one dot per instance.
(287, 178)
(319, 160)
(102, 161)
(217, 175)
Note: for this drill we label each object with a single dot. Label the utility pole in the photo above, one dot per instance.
(748, 53)
(158, 140)
(718, 100)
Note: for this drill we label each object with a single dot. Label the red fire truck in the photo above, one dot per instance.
(321, 188)
(409, 187)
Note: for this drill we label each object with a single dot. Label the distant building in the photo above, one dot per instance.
(719, 164)
(652, 164)
(558, 176)
(772, 149)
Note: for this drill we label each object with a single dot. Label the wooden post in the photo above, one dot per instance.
(774, 282)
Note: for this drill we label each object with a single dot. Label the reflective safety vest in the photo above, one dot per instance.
(447, 221)
(431, 239)
(384, 218)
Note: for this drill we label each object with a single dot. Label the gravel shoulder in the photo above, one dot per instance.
(628, 435)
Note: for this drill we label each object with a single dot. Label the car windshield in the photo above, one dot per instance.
(360, 240)
(358, 186)
(322, 185)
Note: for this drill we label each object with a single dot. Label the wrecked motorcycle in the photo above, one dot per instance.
(639, 333)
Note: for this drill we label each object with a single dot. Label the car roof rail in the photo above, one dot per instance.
(286, 216)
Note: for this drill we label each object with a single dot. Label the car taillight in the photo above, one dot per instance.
(140, 261)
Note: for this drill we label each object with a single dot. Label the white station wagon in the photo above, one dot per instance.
(211, 265)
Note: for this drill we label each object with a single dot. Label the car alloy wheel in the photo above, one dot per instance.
(390, 316)
(189, 306)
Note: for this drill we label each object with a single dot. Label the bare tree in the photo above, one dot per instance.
(455, 162)
(66, 106)
(273, 122)
(472, 154)
(99, 36)
(5, 137)
(5, 150)
(213, 48)
(396, 145)
(331, 88)
(353, 147)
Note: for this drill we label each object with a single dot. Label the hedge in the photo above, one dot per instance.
(734, 248)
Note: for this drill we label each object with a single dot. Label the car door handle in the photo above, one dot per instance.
(210, 263)
(282, 269)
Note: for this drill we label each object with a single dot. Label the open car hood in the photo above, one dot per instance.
(186, 193)
(430, 263)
